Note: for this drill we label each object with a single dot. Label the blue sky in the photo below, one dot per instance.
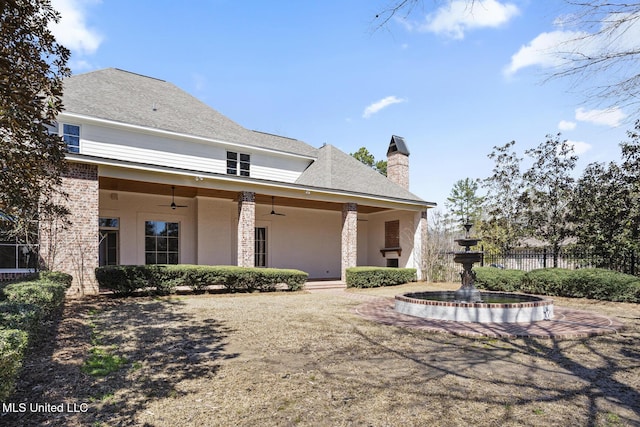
(453, 82)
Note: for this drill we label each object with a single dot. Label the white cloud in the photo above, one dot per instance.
(579, 147)
(72, 31)
(544, 51)
(459, 16)
(566, 125)
(560, 48)
(612, 117)
(379, 105)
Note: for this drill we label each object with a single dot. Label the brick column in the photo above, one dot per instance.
(246, 228)
(349, 237)
(74, 249)
(420, 244)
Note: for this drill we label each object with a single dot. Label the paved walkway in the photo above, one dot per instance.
(566, 324)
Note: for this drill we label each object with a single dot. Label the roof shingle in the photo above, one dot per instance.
(130, 98)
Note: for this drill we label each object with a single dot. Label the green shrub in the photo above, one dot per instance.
(497, 279)
(603, 284)
(56, 277)
(591, 283)
(24, 307)
(47, 295)
(371, 277)
(266, 279)
(547, 281)
(13, 344)
(124, 280)
(199, 278)
(23, 316)
(163, 279)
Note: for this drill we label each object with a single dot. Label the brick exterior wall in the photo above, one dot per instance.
(349, 238)
(246, 228)
(7, 277)
(74, 249)
(398, 169)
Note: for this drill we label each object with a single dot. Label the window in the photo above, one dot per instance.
(238, 164)
(71, 136)
(261, 247)
(161, 242)
(392, 234)
(14, 254)
(108, 246)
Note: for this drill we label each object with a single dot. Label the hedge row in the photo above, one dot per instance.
(591, 283)
(496, 279)
(372, 277)
(23, 308)
(125, 280)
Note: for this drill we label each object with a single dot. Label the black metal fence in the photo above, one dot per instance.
(571, 258)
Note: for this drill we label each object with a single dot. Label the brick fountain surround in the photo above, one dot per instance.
(468, 304)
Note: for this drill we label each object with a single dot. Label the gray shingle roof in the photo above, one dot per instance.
(130, 98)
(127, 97)
(337, 170)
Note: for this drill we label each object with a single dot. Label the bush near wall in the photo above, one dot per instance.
(125, 280)
(24, 306)
(372, 277)
(13, 344)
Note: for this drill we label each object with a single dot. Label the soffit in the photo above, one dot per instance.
(117, 184)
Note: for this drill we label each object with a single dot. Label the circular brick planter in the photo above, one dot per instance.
(512, 308)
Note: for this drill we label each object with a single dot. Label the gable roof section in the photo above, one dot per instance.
(130, 98)
(334, 169)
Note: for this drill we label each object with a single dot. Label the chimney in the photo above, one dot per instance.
(398, 161)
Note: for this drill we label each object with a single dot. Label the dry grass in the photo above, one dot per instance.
(308, 359)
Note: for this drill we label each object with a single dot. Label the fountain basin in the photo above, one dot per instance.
(496, 307)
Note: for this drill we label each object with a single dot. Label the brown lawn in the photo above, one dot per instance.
(308, 359)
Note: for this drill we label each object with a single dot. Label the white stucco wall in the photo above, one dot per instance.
(376, 238)
(216, 235)
(134, 209)
(304, 239)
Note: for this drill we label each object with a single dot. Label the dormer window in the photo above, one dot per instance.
(71, 136)
(238, 163)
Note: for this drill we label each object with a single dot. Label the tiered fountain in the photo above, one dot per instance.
(468, 304)
(467, 258)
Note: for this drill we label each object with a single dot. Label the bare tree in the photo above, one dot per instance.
(601, 55)
(437, 260)
(603, 59)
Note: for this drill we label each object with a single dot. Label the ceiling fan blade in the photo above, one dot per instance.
(173, 204)
(273, 211)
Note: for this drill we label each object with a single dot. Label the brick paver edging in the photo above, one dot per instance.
(566, 324)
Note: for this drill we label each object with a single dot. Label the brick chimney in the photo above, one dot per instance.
(398, 161)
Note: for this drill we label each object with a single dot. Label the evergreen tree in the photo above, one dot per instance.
(32, 67)
(502, 224)
(549, 187)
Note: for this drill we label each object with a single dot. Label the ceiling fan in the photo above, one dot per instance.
(273, 212)
(173, 200)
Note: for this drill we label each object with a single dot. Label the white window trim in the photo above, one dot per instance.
(238, 163)
(62, 134)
